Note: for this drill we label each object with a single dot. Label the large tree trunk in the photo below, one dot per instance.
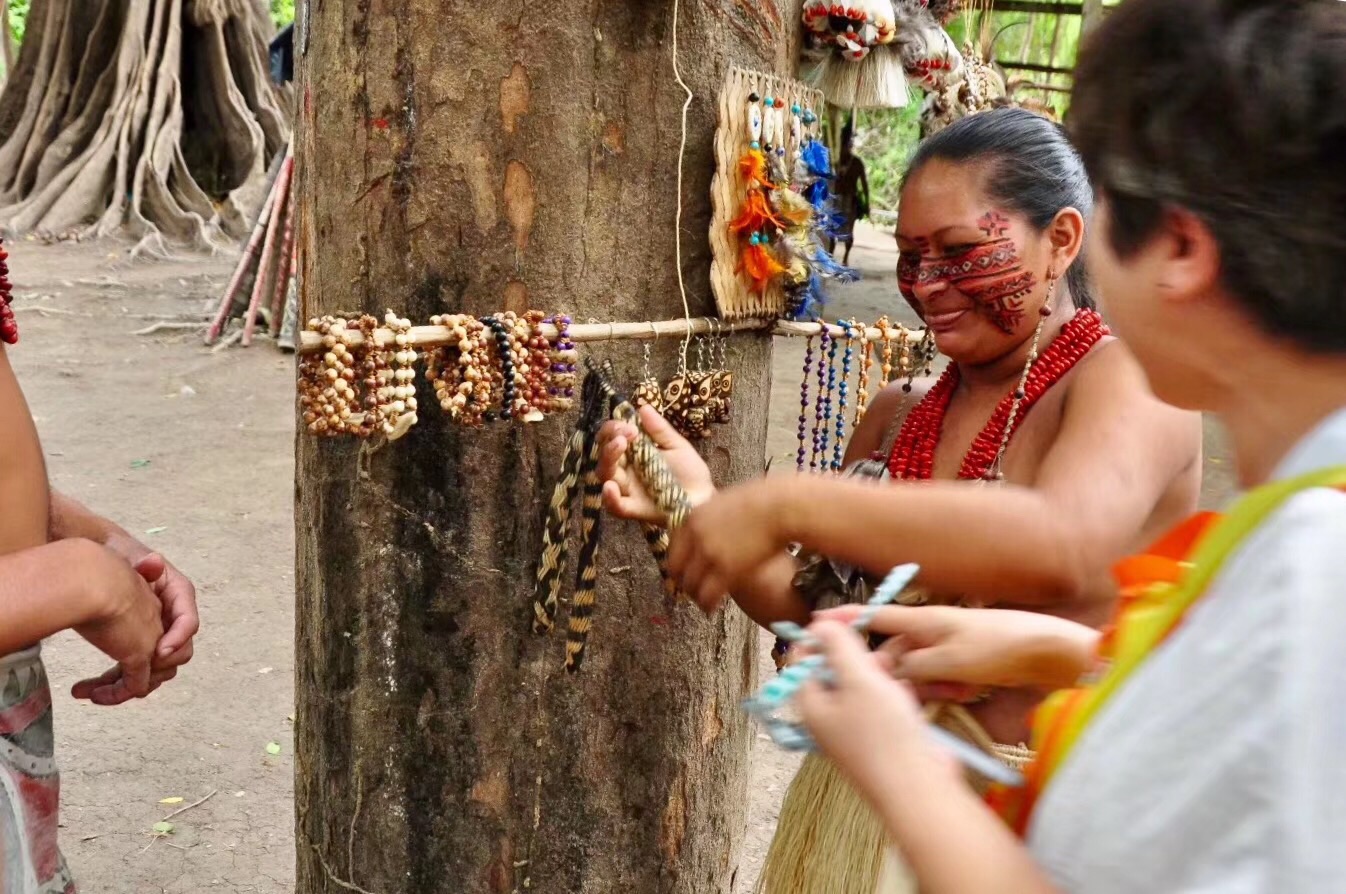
(138, 117)
(457, 156)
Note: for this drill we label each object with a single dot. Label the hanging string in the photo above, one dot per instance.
(682, 152)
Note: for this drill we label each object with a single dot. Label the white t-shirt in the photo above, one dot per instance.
(1220, 766)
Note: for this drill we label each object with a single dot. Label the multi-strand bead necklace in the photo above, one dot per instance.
(913, 453)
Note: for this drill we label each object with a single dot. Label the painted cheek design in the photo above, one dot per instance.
(909, 268)
(991, 274)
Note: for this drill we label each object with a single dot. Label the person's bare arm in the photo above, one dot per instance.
(1116, 454)
(23, 474)
(769, 595)
(1118, 450)
(181, 619)
(82, 586)
(874, 732)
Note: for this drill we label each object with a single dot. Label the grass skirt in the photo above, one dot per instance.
(828, 841)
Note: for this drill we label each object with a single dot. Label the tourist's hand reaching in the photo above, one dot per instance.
(726, 540)
(623, 494)
(944, 649)
(868, 723)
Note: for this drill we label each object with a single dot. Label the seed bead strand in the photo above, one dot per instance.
(862, 394)
(906, 366)
(839, 445)
(819, 396)
(832, 346)
(801, 458)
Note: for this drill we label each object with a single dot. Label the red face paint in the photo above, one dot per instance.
(990, 273)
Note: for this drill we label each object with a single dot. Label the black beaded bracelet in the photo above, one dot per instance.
(501, 331)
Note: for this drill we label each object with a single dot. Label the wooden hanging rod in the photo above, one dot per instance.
(434, 336)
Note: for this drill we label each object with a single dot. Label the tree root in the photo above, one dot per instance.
(153, 119)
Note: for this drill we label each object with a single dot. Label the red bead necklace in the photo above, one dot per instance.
(913, 454)
(9, 326)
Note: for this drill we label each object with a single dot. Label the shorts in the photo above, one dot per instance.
(30, 787)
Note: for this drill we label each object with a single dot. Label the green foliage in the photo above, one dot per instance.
(885, 140)
(18, 18)
(282, 11)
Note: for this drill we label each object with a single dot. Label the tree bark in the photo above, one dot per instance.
(513, 156)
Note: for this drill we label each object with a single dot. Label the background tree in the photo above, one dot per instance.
(458, 156)
(147, 118)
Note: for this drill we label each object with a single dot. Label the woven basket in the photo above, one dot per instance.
(734, 299)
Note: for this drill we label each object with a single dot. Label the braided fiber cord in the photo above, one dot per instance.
(581, 621)
(657, 538)
(547, 591)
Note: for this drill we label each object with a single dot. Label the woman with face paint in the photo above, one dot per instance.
(1014, 480)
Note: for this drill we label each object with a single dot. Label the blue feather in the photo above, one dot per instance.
(828, 266)
(818, 193)
(817, 158)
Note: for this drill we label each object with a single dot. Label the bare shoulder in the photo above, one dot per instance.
(1110, 382)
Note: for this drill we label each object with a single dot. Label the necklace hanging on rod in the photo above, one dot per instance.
(843, 395)
(801, 459)
(819, 398)
(862, 393)
(829, 396)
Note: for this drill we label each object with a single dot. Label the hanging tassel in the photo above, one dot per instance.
(878, 81)
(756, 215)
(817, 159)
(752, 167)
(758, 262)
(807, 299)
(794, 209)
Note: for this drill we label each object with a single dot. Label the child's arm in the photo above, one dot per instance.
(175, 590)
(874, 731)
(79, 585)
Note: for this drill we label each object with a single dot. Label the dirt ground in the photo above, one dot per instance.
(192, 452)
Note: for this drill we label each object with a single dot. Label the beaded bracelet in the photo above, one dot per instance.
(399, 409)
(564, 359)
(374, 375)
(502, 374)
(323, 403)
(538, 361)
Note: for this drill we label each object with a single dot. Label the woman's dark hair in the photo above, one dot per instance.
(1029, 168)
(1236, 111)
